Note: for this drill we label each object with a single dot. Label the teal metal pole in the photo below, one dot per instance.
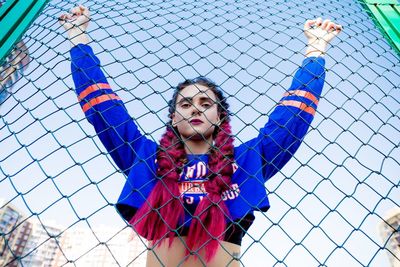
(386, 15)
(15, 18)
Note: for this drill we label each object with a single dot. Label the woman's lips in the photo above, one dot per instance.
(196, 122)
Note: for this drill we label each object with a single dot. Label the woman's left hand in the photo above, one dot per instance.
(320, 33)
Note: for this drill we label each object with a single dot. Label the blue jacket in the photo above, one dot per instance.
(256, 160)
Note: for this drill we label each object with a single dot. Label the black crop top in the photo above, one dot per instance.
(234, 230)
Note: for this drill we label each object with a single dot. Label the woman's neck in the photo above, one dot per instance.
(197, 146)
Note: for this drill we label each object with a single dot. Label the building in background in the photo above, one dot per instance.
(42, 245)
(14, 235)
(390, 232)
(102, 246)
(36, 243)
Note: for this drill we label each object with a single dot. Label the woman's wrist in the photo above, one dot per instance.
(77, 36)
(312, 52)
(316, 49)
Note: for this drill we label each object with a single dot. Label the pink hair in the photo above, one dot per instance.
(163, 210)
(208, 225)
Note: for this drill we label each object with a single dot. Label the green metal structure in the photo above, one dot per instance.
(15, 18)
(386, 15)
(17, 15)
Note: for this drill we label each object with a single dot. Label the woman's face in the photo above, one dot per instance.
(196, 112)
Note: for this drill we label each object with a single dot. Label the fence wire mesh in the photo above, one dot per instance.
(336, 203)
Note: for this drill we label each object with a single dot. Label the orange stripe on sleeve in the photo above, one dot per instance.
(92, 88)
(304, 94)
(100, 99)
(299, 105)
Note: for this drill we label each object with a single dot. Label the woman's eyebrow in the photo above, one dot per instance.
(190, 99)
(206, 98)
(185, 99)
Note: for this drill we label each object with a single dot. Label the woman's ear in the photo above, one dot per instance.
(220, 119)
(173, 120)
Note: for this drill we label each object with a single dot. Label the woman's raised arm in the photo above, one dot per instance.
(288, 123)
(102, 106)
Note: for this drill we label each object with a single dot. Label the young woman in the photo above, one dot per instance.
(193, 196)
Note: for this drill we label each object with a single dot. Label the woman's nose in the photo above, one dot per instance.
(196, 109)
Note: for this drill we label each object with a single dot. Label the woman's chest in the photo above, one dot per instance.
(192, 185)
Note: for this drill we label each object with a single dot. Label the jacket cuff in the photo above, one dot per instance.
(80, 51)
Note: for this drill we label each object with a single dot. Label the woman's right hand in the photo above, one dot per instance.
(77, 19)
(75, 24)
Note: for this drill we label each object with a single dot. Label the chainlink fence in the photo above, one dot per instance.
(336, 203)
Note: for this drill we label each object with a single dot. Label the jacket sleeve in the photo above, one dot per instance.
(288, 123)
(104, 109)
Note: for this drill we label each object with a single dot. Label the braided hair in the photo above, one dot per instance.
(159, 216)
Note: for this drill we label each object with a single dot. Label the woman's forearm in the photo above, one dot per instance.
(77, 36)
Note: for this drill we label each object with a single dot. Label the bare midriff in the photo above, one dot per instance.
(228, 254)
